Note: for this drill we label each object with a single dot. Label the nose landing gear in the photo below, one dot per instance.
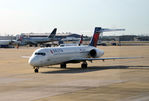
(36, 69)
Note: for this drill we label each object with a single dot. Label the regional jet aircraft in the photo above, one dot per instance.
(39, 40)
(72, 54)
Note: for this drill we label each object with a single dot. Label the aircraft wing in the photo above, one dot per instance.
(110, 58)
(31, 42)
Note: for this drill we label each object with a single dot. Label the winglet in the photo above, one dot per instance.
(53, 33)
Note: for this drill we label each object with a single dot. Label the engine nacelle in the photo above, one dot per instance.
(95, 53)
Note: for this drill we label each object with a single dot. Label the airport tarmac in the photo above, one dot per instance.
(118, 80)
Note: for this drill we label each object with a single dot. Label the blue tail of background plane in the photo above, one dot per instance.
(53, 33)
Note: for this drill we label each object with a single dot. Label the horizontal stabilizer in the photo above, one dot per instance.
(108, 30)
(97, 32)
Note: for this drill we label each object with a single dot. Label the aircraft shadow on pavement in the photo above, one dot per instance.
(91, 69)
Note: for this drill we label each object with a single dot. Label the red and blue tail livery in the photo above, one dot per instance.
(95, 37)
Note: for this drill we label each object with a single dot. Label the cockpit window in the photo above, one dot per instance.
(43, 54)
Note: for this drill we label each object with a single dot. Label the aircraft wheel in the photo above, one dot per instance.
(36, 45)
(36, 70)
(30, 45)
(63, 65)
(84, 65)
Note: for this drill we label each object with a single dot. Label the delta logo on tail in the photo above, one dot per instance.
(96, 35)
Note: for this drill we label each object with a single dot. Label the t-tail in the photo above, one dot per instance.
(53, 33)
(97, 32)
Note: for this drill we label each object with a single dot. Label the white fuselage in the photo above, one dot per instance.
(58, 55)
(8, 42)
(36, 40)
(5, 42)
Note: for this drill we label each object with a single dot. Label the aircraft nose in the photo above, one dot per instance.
(33, 61)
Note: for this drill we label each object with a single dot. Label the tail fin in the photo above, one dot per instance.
(97, 32)
(81, 40)
(95, 37)
(53, 33)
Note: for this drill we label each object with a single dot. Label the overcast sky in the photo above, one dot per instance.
(77, 16)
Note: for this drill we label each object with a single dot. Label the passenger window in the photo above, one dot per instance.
(43, 54)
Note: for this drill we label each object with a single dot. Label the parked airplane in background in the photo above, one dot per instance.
(73, 54)
(8, 43)
(39, 40)
(73, 44)
(70, 39)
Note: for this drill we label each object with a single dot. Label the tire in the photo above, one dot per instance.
(63, 65)
(84, 66)
(36, 71)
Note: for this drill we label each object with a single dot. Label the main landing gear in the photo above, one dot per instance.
(36, 69)
(63, 65)
(84, 65)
